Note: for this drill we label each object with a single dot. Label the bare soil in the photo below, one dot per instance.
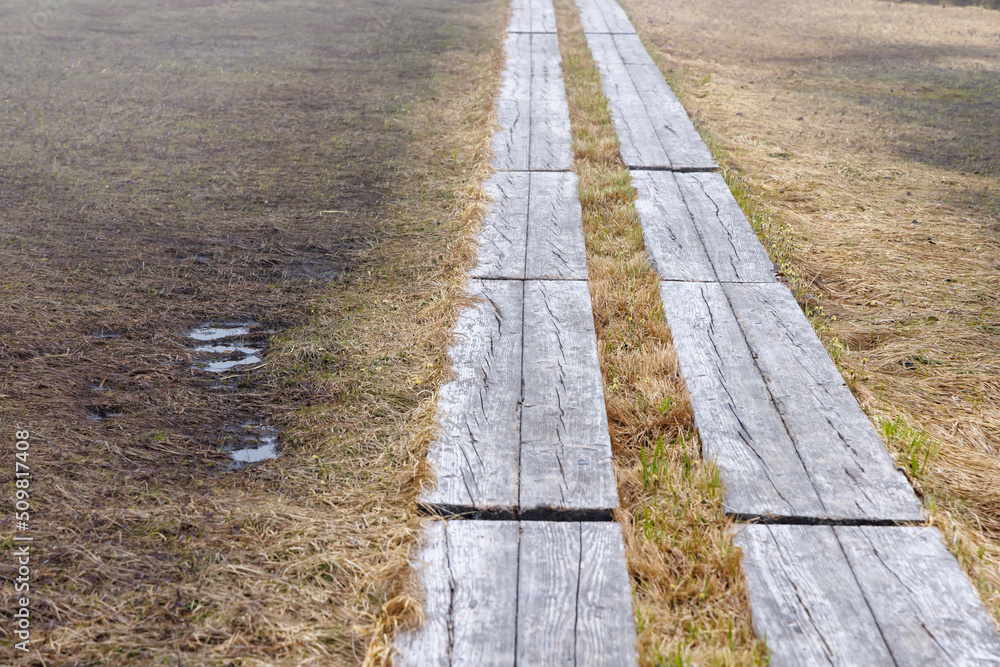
(172, 164)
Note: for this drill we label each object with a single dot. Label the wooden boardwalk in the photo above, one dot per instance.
(841, 569)
(527, 566)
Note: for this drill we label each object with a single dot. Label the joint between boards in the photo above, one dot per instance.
(568, 170)
(820, 521)
(459, 512)
(523, 280)
(678, 170)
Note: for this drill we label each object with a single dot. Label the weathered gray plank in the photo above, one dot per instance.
(429, 644)
(681, 142)
(672, 241)
(551, 143)
(469, 573)
(504, 234)
(565, 445)
(603, 49)
(654, 129)
(848, 463)
(740, 428)
(605, 632)
(546, 69)
(482, 558)
(730, 242)
(640, 144)
(603, 16)
(548, 578)
(804, 599)
(517, 75)
(631, 51)
(512, 138)
(555, 245)
(924, 604)
(476, 453)
(537, 16)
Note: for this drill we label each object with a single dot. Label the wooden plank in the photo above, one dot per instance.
(476, 453)
(848, 463)
(555, 245)
(680, 141)
(482, 557)
(546, 69)
(603, 49)
(603, 16)
(551, 143)
(631, 51)
(503, 238)
(640, 145)
(543, 16)
(512, 138)
(926, 607)
(429, 645)
(805, 600)
(516, 83)
(730, 242)
(532, 16)
(739, 426)
(672, 241)
(605, 632)
(565, 445)
(548, 578)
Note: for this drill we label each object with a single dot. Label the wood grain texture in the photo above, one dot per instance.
(565, 445)
(848, 463)
(605, 631)
(729, 240)
(603, 16)
(482, 559)
(681, 142)
(640, 144)
(512, 138)
(468, 570)
(516, 81)
(804, 599)
(653, 128)
(503, 237)
(631, 51)
(534, 16)
(430, 644)
(672, 241)
(546, 69)
(476, 454)
(925, 606)
(548, 578)
(740, 428)
(555, 245)
(551, 142)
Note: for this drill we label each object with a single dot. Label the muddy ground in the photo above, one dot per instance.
(175, 164)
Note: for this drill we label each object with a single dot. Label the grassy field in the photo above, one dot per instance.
(310, 167)
(861, 138)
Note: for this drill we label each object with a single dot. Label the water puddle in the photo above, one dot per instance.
(236, 348)
(96, 413)
(256, 443)
(227, 347)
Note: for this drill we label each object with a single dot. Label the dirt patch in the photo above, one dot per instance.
(866, 129)
(177, 165)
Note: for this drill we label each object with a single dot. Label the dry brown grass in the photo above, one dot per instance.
(690, 597)
(863, 135)
(314, 167)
